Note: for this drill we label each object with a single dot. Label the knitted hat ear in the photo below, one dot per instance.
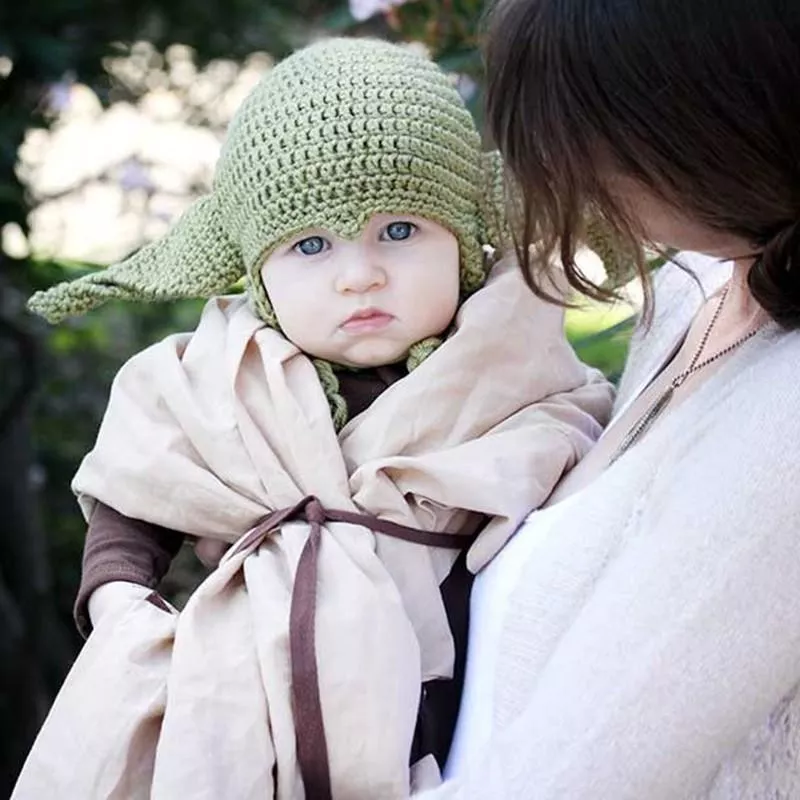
(498, 193)
(619, 258)
(195, 259)
(494, 199)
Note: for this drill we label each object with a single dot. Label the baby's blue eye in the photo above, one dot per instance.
(397, 231)
(310, 246)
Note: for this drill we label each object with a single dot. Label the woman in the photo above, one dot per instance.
(640, 637)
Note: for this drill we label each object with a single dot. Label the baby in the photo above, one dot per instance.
(366, 425)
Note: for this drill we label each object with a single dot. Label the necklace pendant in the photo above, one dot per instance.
(695, 365)
(645, 422)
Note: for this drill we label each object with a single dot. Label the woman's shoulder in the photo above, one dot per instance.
(764, 379)
(741, 430)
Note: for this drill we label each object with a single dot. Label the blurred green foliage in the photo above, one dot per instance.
(600, 336)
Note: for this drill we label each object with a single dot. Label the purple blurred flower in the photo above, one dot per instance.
(466, 87)
(134, 175)
(364, 9)
(59, 95)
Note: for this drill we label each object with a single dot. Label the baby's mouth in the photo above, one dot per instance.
(366, 320)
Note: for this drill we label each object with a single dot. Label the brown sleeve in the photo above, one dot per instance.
(119, 548)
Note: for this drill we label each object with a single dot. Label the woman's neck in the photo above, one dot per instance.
(742, 312)
(740, 315)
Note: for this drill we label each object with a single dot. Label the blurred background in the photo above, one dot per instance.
(111, 117)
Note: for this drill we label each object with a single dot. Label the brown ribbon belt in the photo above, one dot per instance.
(312, 749)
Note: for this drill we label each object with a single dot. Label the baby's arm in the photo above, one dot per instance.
(121, 549)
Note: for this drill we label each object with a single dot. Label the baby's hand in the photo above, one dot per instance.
(112, 598)
(210, 551)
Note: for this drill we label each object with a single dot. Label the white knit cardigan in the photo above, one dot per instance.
(650, 648)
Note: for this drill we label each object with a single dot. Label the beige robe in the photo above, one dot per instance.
(208, 432)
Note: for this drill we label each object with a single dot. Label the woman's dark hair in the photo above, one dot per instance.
(698, 100)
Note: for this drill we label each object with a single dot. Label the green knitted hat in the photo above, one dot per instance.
(336, 133)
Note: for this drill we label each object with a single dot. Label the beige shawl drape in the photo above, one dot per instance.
(208, 432)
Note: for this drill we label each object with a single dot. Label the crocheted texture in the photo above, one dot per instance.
(420, 351)
(348, 129)
(336, 133)
(330, 385)
(619, 259)
(208, 267)
(500, 195)
(495, 200)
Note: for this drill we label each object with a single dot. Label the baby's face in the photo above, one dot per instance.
(364, 302)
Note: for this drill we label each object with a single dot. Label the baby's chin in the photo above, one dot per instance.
(367, 356)
(370, 363)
